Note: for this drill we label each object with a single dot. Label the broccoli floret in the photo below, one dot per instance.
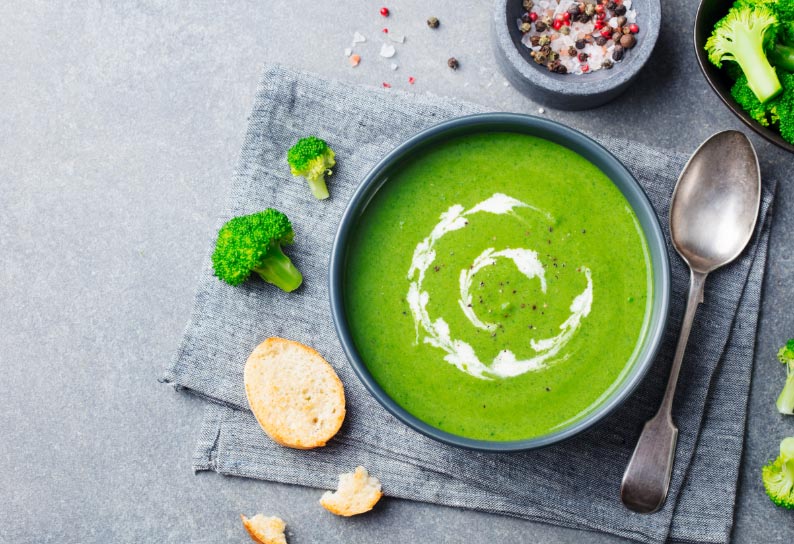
(312, 159)
(749, 102)
(778, 476)
(739, 37)
(782, 108)
(785, 402)
(252, 243)
(783, 11)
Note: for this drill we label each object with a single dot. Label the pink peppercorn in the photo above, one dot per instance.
(585, 68)
(412, 80)
(556, 25)
(607, 33)
(599, 25)
(385, 30)
(384, 12)
(634, 28)
(533, 16)
(566, 16)
(386, 85)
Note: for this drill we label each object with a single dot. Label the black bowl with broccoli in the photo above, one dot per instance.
(746, 52)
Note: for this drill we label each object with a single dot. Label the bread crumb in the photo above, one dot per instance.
(265, 530)
(357, 492)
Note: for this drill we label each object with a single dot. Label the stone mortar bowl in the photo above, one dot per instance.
(570, 91)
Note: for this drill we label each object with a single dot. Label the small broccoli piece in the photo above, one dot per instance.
(749, 102)
(778, 476)
(740, 36)
(312, 159)
(252, 243)
(785, 402)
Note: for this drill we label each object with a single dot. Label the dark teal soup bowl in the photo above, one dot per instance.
(553, 132)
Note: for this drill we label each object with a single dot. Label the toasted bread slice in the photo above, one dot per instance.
(265, 530)
(357, 493)
(294, 393)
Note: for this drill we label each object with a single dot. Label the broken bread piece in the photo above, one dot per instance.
(294, 393)
(264, 529)
(357, 493)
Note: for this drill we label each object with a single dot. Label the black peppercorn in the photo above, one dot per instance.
(617, 52)
(579, 44)
(583, 57)
(534, 40)
(540, 26)
(453, 63)
(432, 22)
(600, 40)
(620, 10)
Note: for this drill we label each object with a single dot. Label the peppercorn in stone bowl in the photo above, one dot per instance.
(592, 68)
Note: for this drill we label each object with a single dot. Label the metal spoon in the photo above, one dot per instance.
(712, 217)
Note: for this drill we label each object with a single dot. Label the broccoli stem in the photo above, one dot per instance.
(785, 402)
(319, 188)
(782, 56)
(761, 77)
(278, 270)
(748, 51)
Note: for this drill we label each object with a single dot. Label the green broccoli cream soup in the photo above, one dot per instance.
(498, 287)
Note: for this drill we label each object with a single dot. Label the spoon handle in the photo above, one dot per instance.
(647, 477)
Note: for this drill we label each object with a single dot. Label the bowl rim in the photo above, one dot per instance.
(584, 85)
(705, 67)
(557, 133)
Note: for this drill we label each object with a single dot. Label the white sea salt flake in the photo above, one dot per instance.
(541, 111)
(358, 38)
(393, 66)
(348, 51)
(387, 50)
(396, 38)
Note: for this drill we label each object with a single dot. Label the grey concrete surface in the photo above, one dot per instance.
(120, 124)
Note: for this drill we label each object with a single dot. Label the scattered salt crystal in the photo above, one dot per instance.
(613, 22)
(394, 66)
(541, 111)
(387, 50)
(348, 51)
(505, 83)
(397, 39)
(358, 38)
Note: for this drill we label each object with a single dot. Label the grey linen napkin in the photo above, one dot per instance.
(574, 483)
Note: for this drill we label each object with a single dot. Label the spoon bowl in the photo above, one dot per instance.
(713, 213)
(715, 202)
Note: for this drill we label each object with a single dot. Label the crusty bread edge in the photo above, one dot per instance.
(274, 433)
